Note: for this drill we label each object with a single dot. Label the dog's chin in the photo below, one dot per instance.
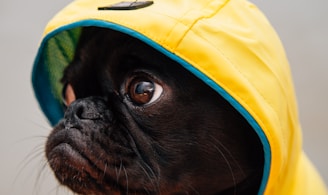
(85, 166)
(72, 164)
(74, 170)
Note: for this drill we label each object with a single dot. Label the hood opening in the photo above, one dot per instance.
(62, 43)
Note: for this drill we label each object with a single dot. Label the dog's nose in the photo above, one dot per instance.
(86, 110)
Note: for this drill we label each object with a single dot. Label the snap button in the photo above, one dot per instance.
(127, 5)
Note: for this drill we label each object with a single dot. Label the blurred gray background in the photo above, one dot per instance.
(302, 26)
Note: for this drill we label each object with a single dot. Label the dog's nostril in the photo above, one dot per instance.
(73, 115)
(72, 119)
(79, 112)
(87, 112)
(87, 109)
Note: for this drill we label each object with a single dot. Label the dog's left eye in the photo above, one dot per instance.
(143, 91)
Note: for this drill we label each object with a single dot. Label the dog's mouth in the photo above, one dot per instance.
(75, 170)
(90, 165)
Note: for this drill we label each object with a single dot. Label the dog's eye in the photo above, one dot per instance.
(142, 91)
(68, 94)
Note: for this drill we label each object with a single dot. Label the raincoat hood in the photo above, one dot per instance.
(228, 44)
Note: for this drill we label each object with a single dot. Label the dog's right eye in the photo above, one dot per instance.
(143, 91)
(68, 94)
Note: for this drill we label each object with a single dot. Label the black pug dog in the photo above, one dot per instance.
(139, 123)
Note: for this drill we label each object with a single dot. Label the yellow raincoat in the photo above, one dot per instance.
(228, 44)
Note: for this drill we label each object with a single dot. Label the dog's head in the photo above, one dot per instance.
(139, 123)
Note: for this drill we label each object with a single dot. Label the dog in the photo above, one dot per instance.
(137, 122)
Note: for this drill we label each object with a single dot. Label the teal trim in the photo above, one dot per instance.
(42, 89)
(54, 111)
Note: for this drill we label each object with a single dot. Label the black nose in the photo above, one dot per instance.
(86, 110)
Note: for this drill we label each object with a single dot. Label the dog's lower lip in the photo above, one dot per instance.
(62, 149)
(71, 157)
(68, 160)
(75, 170)
(87, 166)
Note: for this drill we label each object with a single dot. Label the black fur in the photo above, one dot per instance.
(188, 141)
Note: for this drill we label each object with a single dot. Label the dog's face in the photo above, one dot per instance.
(138, 123)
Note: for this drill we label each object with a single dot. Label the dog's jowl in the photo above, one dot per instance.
(170, 97)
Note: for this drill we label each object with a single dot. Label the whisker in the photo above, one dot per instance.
(119, 171)
(227, 162)
(229, 153)
(40, 175)
(58, 189)
(151, 176)
(34, 167)
(104, 172)
(127, 180)
(29, 158)
(193, 189)
(37, 122)
(43, 173)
